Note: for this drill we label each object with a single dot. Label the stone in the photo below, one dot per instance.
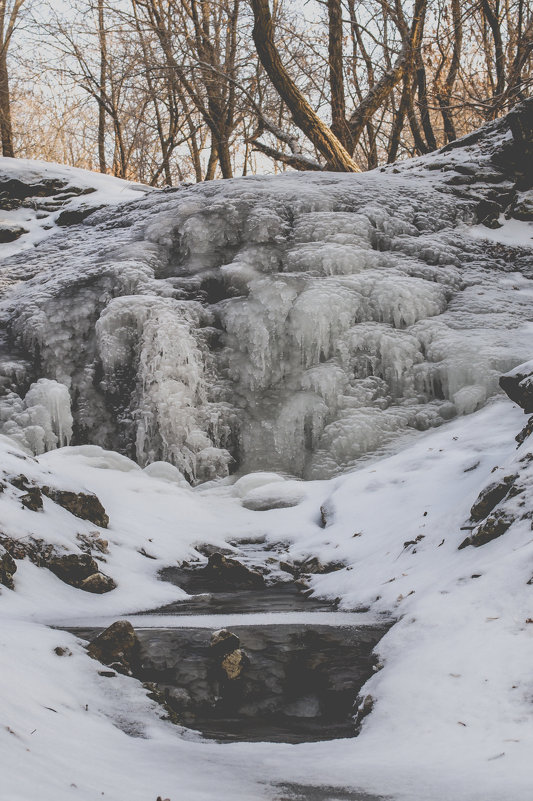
(493, 527)
(75, 216)
(10, 232)
(315, 566)
(228, 573)
(518, 385)
(72, 568)
(32, 499)
(117, 647)
(223, 642)
(234, 663)
(60, 651)
(98, 583)
(92, 542)
(363, 707)
(81, 504)
(8, 567)
(490, 497)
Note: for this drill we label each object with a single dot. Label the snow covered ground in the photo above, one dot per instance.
(453, 713)
(427, 321)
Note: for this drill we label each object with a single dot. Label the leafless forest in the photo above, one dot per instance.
(163, 91)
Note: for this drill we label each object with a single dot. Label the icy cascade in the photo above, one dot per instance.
(293, 323)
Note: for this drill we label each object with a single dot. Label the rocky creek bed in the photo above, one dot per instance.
(256, 663)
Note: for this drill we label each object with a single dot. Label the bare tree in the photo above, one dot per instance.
(9, 15)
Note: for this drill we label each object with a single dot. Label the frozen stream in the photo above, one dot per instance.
(298, 669)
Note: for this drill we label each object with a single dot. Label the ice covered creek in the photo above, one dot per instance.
(254, 663)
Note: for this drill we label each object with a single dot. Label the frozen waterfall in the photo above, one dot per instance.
(293, 324)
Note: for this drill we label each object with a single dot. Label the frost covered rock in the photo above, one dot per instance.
(8, 567)
(118, 647)
(98, 583)
(81, 504)
(9, 232)
(274, 496)
(166, 472)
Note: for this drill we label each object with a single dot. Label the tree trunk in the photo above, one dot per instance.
(304, 116)
(6, 131)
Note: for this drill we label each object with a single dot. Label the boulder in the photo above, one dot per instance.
(223, 642)
(32, 499)
(9, 232)
(117, 647)
(489, 497)
(75, 216)
(518, 385)
(492, 528)
(98, 583)
(8, 567)
(72, 568)
(226, 573)
(234, 663)
(81, 504)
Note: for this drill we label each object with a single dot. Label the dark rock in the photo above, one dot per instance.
(223, 642)
(72, 568)
(234, 663)
(493, 527)
(10, 232)
(110, 674)
(62, 651)
(518, 385)
(117, 647)
(92, 542)
(522, 209)
(228, 573)
(315, 566)
(363, 707)
(98, 583)
(7, 568)
(33, 499)
(76, 216)
(489, 497)
(525, 432)
(487, 213)
(81, 504)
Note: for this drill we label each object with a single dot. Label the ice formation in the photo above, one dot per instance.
(291, 323)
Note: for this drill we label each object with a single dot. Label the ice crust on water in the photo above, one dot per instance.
(289, 324)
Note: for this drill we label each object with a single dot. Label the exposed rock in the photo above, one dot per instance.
(234, 663)
(117, 647)
(315, 566)
(10, 232)
(92, 542)
(489, 497)
(75, 216)
(522, 208)
(493, 527)
(32, 499)
(7, 568)
(38, 551)
(228, 573)
(223, 642)
(98, 583)
(81, 504)
(72, 568)
(518, 385)
(60, 651)
(363, 707)
(525, 432)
